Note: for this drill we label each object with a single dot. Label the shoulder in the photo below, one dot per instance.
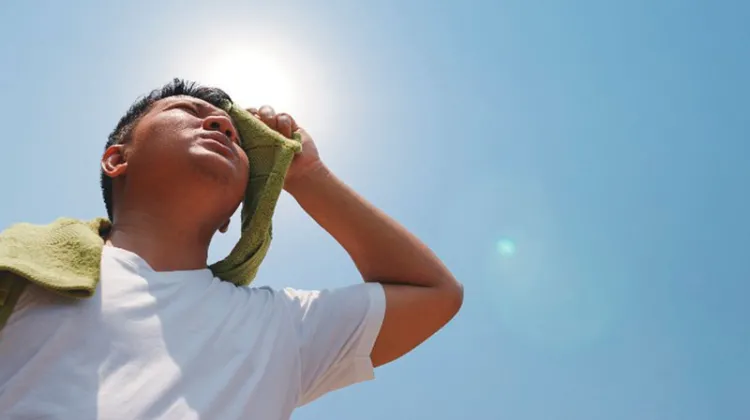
(34, 296)
(300, 309)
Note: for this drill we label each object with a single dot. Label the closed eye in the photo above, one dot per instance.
(190, 108)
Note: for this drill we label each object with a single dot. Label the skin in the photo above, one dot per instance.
(174, 191)
(173, 188)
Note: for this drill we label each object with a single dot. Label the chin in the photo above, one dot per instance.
(219, 172)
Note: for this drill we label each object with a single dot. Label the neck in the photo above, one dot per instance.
(165, 243)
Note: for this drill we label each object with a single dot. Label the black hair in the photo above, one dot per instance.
(122, 132)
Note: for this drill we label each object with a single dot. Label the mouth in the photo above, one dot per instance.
(219, 143)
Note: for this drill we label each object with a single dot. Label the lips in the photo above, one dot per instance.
(219, 143)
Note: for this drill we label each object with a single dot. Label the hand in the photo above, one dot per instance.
(306, 161)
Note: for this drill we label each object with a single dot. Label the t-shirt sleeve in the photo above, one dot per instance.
(337, 329)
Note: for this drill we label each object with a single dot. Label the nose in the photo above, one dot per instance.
(221, 124)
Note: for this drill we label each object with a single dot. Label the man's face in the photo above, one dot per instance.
(191, 146)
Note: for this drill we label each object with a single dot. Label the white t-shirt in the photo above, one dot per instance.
(182, 345)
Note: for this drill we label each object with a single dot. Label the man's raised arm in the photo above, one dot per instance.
(421, 294)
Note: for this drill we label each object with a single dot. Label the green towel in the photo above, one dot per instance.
(270, 155)
(64, 257)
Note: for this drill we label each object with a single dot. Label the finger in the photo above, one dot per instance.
(295, 127)
(301, 131)
(267, 111)
(267, 115)
(284, 125)
(253, 111)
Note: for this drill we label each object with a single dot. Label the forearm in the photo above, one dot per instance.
(383, 250)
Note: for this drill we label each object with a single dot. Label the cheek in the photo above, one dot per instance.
(244, 174)
(168, 129)
(244, 167)
(161, 136)
(154, 158)
(164, 129)
(243, 159)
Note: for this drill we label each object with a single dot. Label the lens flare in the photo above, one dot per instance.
(506, 248)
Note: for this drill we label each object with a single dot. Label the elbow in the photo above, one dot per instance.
(454, 298)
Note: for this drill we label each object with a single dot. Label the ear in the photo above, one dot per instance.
(113, 161)
(225, 227)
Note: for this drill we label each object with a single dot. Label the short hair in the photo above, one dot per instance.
(123, 131)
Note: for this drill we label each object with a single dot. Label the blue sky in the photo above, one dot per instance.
(607, 141)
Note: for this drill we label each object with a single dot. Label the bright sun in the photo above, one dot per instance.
(252, 78)
(290, 78)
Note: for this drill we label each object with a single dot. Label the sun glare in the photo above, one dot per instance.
(293, 78)
(252, 78)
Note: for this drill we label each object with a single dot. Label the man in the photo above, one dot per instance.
(163, 338)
